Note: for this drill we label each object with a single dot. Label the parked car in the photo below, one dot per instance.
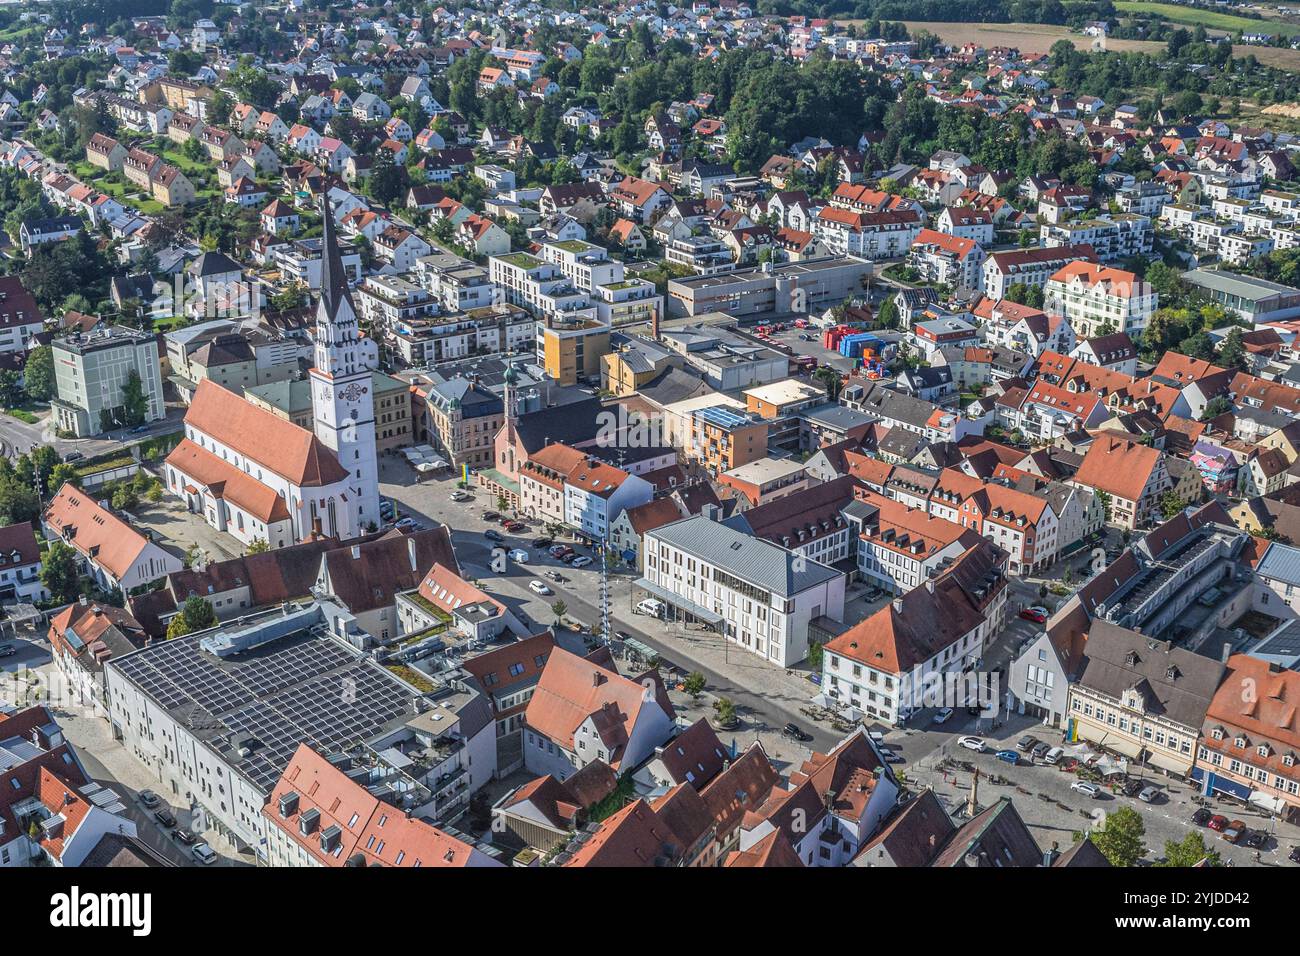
(973, 743)
(569, 557)
(1255, 839)
(183, 835)
(149, 798)
(73, 456)
(1234, 832)
(538, 587)
(515, 527)
(1089, 790)
(1218, 822)
(492, 534)
(406, 524)
(1294, 855)
(1053, 755)
(581, 561)
(943, 716)
(1149, 795)
(1040, 751)
(519, 555)
(1010, 756)
(541, 542)
(8, 650)
(555, 576)
(1036, 614)
(460, 495)
(892, 756)
(1026, 743)
(1201, 817)
(165, 817)
(491, 516)
(204, 853)
(795, 732)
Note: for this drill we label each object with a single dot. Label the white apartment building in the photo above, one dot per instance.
(1095, 298)
(760, 596)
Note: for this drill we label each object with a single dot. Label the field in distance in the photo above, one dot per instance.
(1039, 37)
(1212, 19)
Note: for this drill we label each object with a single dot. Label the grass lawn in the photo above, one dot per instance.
(22, 415)
(189, 167)
(1212, 19)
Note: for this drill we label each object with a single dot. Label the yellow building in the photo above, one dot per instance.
(570, 349)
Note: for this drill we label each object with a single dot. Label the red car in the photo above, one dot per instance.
(1035, 614)
(1218, 822)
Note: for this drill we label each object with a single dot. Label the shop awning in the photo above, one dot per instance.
(679, 602)
(1168, 762)
(1262, 798)
(1120, 745)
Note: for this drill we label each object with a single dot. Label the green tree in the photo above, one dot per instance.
(1232, 351)
(135, 404)
(11, 389)
(1189, 851)
(38, 373)
(887, 316)
(61, 474)
(195, 615)
(59, 572)
(1170, 503)
(257, 546)
(1215, 407)
(558, 609)
(694, 683)
(1120, 839)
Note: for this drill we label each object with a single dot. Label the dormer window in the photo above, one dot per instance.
(1262, 750)
(1288, 760)
(1217, 733)
(1239, 741)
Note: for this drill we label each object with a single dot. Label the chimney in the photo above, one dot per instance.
(356, 552)
(410, 551)
(898, 605)
(83, 601)
(654, 325)
(1227, 651)
(929, 585)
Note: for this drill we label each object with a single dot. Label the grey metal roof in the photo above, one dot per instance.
(760, 563)
(1245, 287)
(1281, 562)
(833, 415)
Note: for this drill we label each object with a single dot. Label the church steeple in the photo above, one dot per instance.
(333, 279)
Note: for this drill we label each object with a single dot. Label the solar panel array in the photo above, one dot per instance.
(302, 689)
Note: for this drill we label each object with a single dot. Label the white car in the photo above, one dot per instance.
(518, 555)
(537, 587)
(581, 561)
(459, 495)
(1089, 790)
(973, 743)
(204, 853)
(942, 716)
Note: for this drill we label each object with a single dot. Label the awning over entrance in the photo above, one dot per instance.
(679, 602)
(1167, 762)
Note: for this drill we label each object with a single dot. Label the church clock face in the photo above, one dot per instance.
(353, 392)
